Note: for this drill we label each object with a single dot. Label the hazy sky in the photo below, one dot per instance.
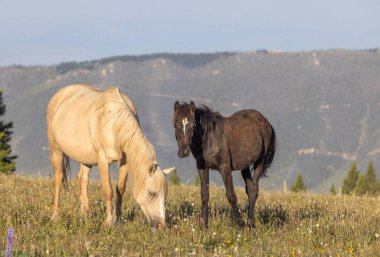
(50, 31)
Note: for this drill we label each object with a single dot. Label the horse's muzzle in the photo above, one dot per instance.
(183, 154)
(161, 225)
(158, 224)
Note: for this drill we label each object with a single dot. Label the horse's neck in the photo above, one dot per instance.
(216, 131)
(201, 141)
(139, 156)
(137, 148)
(206, 148)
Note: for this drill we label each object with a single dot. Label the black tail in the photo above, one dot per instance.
(270, 152)
(65, 168)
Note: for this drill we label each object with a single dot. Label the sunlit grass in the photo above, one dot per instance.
(288, 224)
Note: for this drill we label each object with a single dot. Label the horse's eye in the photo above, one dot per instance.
(152, 194)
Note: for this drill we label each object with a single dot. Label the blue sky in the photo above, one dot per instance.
(50, 31)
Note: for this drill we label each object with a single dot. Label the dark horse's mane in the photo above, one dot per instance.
(207, 118)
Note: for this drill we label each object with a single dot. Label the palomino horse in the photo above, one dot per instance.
(238, 142)
(98, 128)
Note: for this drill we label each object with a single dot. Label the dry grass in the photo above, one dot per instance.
(288, 224)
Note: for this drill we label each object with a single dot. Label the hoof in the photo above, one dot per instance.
(86, 212)
(118, 222)
(55, 216)
(108, 223)
(240, 223)
(204, 225)
(251, 224)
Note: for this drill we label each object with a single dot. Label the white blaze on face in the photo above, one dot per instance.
(184, 123)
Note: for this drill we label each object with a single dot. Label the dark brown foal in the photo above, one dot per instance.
(243, 140)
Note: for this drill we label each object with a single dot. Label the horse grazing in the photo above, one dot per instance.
(238, 142)
(98, 128)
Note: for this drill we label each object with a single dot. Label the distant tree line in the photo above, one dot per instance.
(188, 60)
(68, 66)
(358, 184)
(354, 183)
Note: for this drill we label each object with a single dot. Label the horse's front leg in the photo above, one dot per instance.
(120, 189)
(231, 196)
(204, 176)
(83, 175)
(107, 190)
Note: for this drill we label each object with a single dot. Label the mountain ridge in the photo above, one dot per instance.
(323, 104)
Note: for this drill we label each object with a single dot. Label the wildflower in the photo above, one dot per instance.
(214, 233)
(8, 248)
(377, 235)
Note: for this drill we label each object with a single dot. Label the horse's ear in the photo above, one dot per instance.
(192, 106)
(169, 170)
(176, 105)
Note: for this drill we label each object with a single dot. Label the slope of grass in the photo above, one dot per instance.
(288, 224)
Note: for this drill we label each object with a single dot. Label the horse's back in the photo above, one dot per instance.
(70, 99)
(247, 132)
(80, 121)
(247, 119)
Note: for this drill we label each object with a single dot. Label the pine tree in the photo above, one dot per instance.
(350, 181)
(7, 165)
(368, 184)
(332, 189)
(298, 185)
(174, 179)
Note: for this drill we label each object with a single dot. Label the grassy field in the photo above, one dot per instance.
(288, 224)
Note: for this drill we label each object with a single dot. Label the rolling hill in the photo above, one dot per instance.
(324, 105)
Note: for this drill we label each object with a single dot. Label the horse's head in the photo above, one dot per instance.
(152, 195)
(184, 123)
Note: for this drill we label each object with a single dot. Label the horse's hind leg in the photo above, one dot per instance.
(57, 163)
(231, 196)
(249, 189)
(252, 188)
(83, 175)
(120, 189)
